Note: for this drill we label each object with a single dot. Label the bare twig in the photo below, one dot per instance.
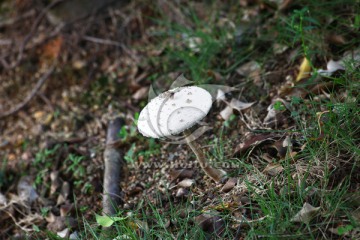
(113, 43)
(103, 41)
(38, 85)
(46, 101)
(114, 164)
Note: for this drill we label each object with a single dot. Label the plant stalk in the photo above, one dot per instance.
(214, 173)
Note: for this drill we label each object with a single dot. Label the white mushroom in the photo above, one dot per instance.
(175, 111)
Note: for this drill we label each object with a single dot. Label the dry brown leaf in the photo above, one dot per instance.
(64, 233)
(55, 182)
(211, 223)
(226, 113)
(60, 223)
(181, 192)
(51, 50)
(186, 183)
(26, 191)
(271, 114)
(234, 104)
(229, 185)
(215, 75)
(247, 68)
(238, 105)
(220, 95)
(64, 193)
(279, 146)
(141, 93)
(79, 64)
(279, 48)
(306, 214)
(43, 117)
(273, 169)
(254, 141)
(336, 39)
(65, 209)
(180, 174)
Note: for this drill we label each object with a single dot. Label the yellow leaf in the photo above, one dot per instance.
(305, 69)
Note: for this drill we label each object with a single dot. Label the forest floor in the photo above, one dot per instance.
(287, 135)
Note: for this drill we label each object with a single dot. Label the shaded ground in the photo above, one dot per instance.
(297, 144)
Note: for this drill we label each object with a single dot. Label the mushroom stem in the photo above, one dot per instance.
(213, 173)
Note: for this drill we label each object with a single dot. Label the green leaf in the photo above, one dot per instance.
(129, 156)
(107, 221)
(123, 132)
(104, 221)
(278, 106)
(345, 229)
(36, 228)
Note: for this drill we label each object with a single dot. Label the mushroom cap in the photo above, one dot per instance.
(174, 111)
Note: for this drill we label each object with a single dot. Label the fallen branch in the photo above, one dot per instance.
(114, 164)
(38, 85)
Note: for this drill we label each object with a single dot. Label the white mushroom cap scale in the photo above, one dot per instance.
(174, 111)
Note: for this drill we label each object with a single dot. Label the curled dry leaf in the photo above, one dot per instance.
(304, 70)
(274, 114)
(239, 106)
(283, 147)
(65, 209)
(251, 70)
(186, 183)
(181, 192)
(141, 93)
(229, 185)
(287, 142)
(234, 105)
(254, 141)
(64, 233)
(306, 214)
(50, 217)
(271, 114)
